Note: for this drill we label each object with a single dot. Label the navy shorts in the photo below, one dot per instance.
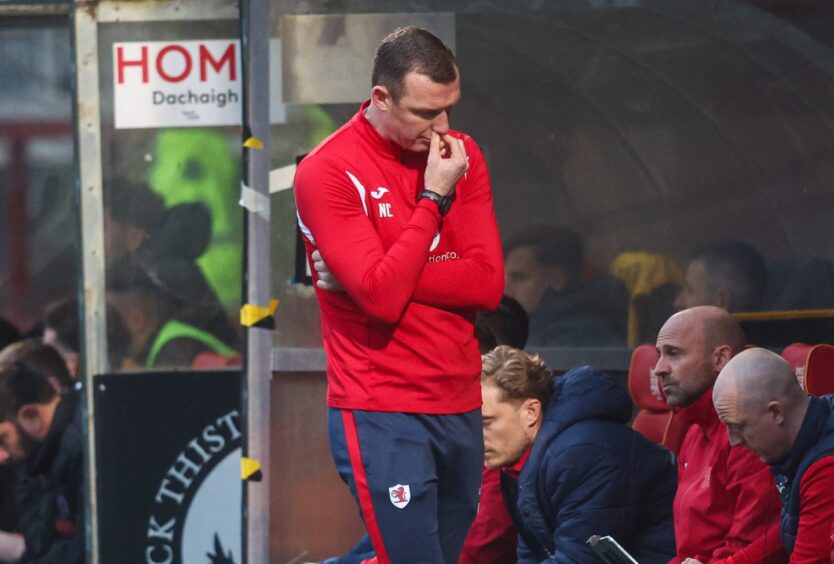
(415, 477)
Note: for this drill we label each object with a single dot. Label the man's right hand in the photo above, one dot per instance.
(444, 171)
(326, 279)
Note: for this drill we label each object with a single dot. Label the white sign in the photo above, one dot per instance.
(196, 511)
(177, 83)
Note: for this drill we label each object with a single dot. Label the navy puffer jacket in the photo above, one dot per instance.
(589, 473)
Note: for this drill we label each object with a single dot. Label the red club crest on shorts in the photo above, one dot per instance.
(399, 495)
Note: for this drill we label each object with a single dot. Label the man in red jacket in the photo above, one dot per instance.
(760, 401)
(726, 507)
(399, 207)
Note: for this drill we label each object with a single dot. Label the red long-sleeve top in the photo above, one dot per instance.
(726, 508)
(401, 335)
(816, 514)
(492, 536)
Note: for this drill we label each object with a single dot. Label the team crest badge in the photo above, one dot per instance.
(400, 495)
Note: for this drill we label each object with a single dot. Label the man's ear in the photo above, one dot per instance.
(30, 419)
(721, 355)
(776, 411)
(532, 411)
(381, 98)
(73, 363)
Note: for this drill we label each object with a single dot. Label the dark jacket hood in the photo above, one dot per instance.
(585, 393)
(568, 490)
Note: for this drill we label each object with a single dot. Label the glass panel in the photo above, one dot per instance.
(170, 100)
(39, 245)
(666, 154)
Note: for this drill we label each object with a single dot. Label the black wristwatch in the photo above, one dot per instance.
(443, 202)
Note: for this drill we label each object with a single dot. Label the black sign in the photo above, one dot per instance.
(168, 448)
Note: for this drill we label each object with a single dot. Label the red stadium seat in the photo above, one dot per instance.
(796, 355)
(819, 371)
(814, 366)
(655, 420)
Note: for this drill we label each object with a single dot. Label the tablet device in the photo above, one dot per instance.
(610, 550)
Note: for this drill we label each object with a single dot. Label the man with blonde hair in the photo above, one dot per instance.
(572, 468)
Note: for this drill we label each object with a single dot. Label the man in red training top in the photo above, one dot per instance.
(760, 401)
(726, 508)
(400, 208)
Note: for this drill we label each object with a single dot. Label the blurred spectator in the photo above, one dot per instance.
(794, 283)
(728, 274)
(133, 214)
(138, 226)
(567, 305)
(506, 325)
(162, 307)
(725, 507)
(8, 333)
(155, 251)
(40, 357)
(61, 330)
(43, 432)
(196, 165)
(764, 408)
(572, 467)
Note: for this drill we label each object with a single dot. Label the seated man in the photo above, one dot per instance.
(759, 399)
(545, 271)
(62, 331)
(728, 274)
(41, 358)
(723, 510)
(159, 303)
(42, 431)
(572, 466)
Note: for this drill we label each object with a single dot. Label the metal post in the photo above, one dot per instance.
(89, 185)
(254, 19)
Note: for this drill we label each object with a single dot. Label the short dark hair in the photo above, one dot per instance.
(508, 324)
(62, 317)
(518, 374)
(408, 49)
(19, 386)
(739, 267)
(40, 357)
(553, 246)
(134, 203)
